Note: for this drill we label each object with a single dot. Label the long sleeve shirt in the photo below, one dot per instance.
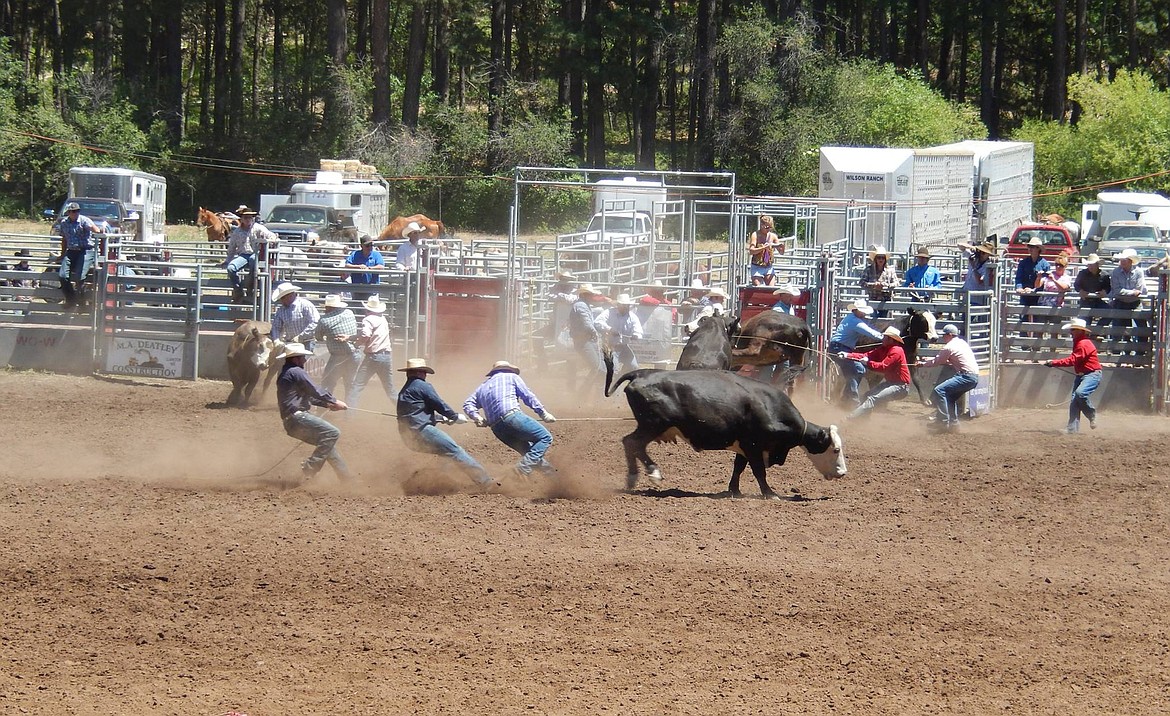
(296, 391)
(418, 401)
(889, 360)
(581, 327)
(1083, 358)
(374, 334)
(1127, 286)
(1027, 271)
(919, 276)
(337, 328)
(957, 354)
(888, 278)
(499, 395)
(1092, 282)
(296, 321)
(247, 242)
(852, 329)
(620, 326)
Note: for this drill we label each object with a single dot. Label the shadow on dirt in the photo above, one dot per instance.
(676, 493)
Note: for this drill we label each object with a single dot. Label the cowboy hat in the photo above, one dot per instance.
(374, 304)
(230, 216)
(586, 288)
(1035, 241)
(1130, 254)
(292, 350)
(247, 211)
(716, 291)
(923, 252)
(697, 284)
(786, 290)
(623, 299)
(283, 290)
(986, 247)
(862, 306)
(1092, 259)
(366, 240)
(72, 206)
(417, 364)
(878, 251)
(894, 333)
(412, 228)
(1076, 324)
(565, 273)
(334, 301)
(503, 366)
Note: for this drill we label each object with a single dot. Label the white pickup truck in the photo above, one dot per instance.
(623, 227)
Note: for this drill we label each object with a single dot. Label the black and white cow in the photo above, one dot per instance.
(717, 410)
(709, 346)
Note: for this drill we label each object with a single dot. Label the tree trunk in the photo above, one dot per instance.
(496, 79)
(576, 79)
(595, 94)
(648, 88)
(169, 54)
(988, 102)
(1058, 69)
(441, 64)
(278, 93)
(135, 44)
(921, 38)
(945, 50)
(705, 90)
(336, 47)
(236, 63)
(361, 24)
(222, 86)
(379, 56)
(416, 48)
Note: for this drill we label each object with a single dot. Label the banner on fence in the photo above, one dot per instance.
(146, 357)
(979, 399)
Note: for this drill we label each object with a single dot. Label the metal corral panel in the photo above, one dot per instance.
(865, 174)
(1003, 173)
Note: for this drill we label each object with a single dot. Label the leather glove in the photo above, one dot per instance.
(460, 419)
(548, 417)
(480, 423)
(1048, 363)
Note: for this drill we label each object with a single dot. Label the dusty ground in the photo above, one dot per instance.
(1003, 570)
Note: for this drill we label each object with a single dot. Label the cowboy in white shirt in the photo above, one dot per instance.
(619, 324)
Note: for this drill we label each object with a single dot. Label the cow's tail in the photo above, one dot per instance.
(607, 358)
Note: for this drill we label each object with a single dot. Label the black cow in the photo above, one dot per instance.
(771, 338)
(914, 326)
(709, 347)
(718, 410)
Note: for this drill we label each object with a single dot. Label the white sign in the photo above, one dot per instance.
(145, 357)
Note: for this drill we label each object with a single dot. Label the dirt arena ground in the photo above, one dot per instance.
(149, 568)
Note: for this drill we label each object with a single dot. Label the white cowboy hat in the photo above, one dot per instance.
(1130, 254)
(1035, 241)
(283, 290)
(894, 333)
(565, 274)
(412, 228)
(374, 304)
(417, 364)
(292, 350)
(503, 365)
(786, 290)
(247, 211)
(623, 299)
(697, 284)
(716, 291)
(861, 305)
(878, 251)
(1092, 259)
(586, 288)
(334, 301)
(1076, 324)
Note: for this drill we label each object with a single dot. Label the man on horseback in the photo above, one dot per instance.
(243, 243)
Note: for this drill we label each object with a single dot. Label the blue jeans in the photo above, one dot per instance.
(341, 367)
(430, 439)
(308, 428)
(379, 364)
(948, 392)
(883, 392)
(527, 437)
(75, 267)
(1083, 388)
(236, 265)
(851, 370)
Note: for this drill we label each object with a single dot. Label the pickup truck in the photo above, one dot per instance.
(1129, 235)
(1055, 238)
(625, 227)
(300, 223)
(112, 210)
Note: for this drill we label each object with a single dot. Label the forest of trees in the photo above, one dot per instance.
(229, 98)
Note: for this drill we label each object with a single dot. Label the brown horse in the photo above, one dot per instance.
(217, 227)
(393, 231)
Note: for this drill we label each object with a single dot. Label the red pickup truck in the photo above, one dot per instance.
(1056, 241)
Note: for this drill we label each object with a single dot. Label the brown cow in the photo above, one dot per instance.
(393, 231)
(250, 353)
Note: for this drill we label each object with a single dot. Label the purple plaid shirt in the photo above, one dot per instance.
(499, 395)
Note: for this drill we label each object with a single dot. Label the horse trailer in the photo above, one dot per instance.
(140, 192)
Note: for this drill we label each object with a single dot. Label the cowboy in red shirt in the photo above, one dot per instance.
(1083, 360)
(889, 359)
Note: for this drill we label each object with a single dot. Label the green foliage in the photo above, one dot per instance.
(1123, 131)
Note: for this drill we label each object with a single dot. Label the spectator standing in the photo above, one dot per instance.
(420, 409)
(1028, 272)
(922, 275)
(620, 326)
(377, 358)
(338, 328)
(763, 246)
(889, 359)
(406, 259)
(956, 354)
(296, 393)
(1127, 287)
(879, 279)
(1053, 285)
(295, 319)
(851, 331)
(496, 404)
(1087, 367)
(365, 264)
(1092, 284)
(243, 243)
(980, 271)
(78, 253)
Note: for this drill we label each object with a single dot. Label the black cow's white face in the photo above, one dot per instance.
(831, 462)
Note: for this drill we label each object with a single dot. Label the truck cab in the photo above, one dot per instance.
(300, 223)
(624, 227)
(1056, 241)
(1130, 235)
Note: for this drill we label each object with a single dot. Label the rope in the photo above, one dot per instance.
(274, 465)
(582, 420)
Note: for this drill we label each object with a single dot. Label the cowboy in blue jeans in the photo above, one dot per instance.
(419, 409)
(957, 354)
(850, 331)
(78, 253)
(296, 393)
(499, 398)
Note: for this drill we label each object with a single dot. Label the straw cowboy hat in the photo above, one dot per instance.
(986, 247)
(697, 284)
(334, 301)
(623, 299)
(716, 291)
(586, 289)
(1035, 241)
(374, 304)
(246, 211)
(1130, 254)
(923, 252)
(283, 290)
(292, 350)
(412, 228)
(1076, 324)
(786, 290)
(502, 366)
(1092, 259)
(894, 333)
(877, 251)
(862, 306)
(417, 364)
